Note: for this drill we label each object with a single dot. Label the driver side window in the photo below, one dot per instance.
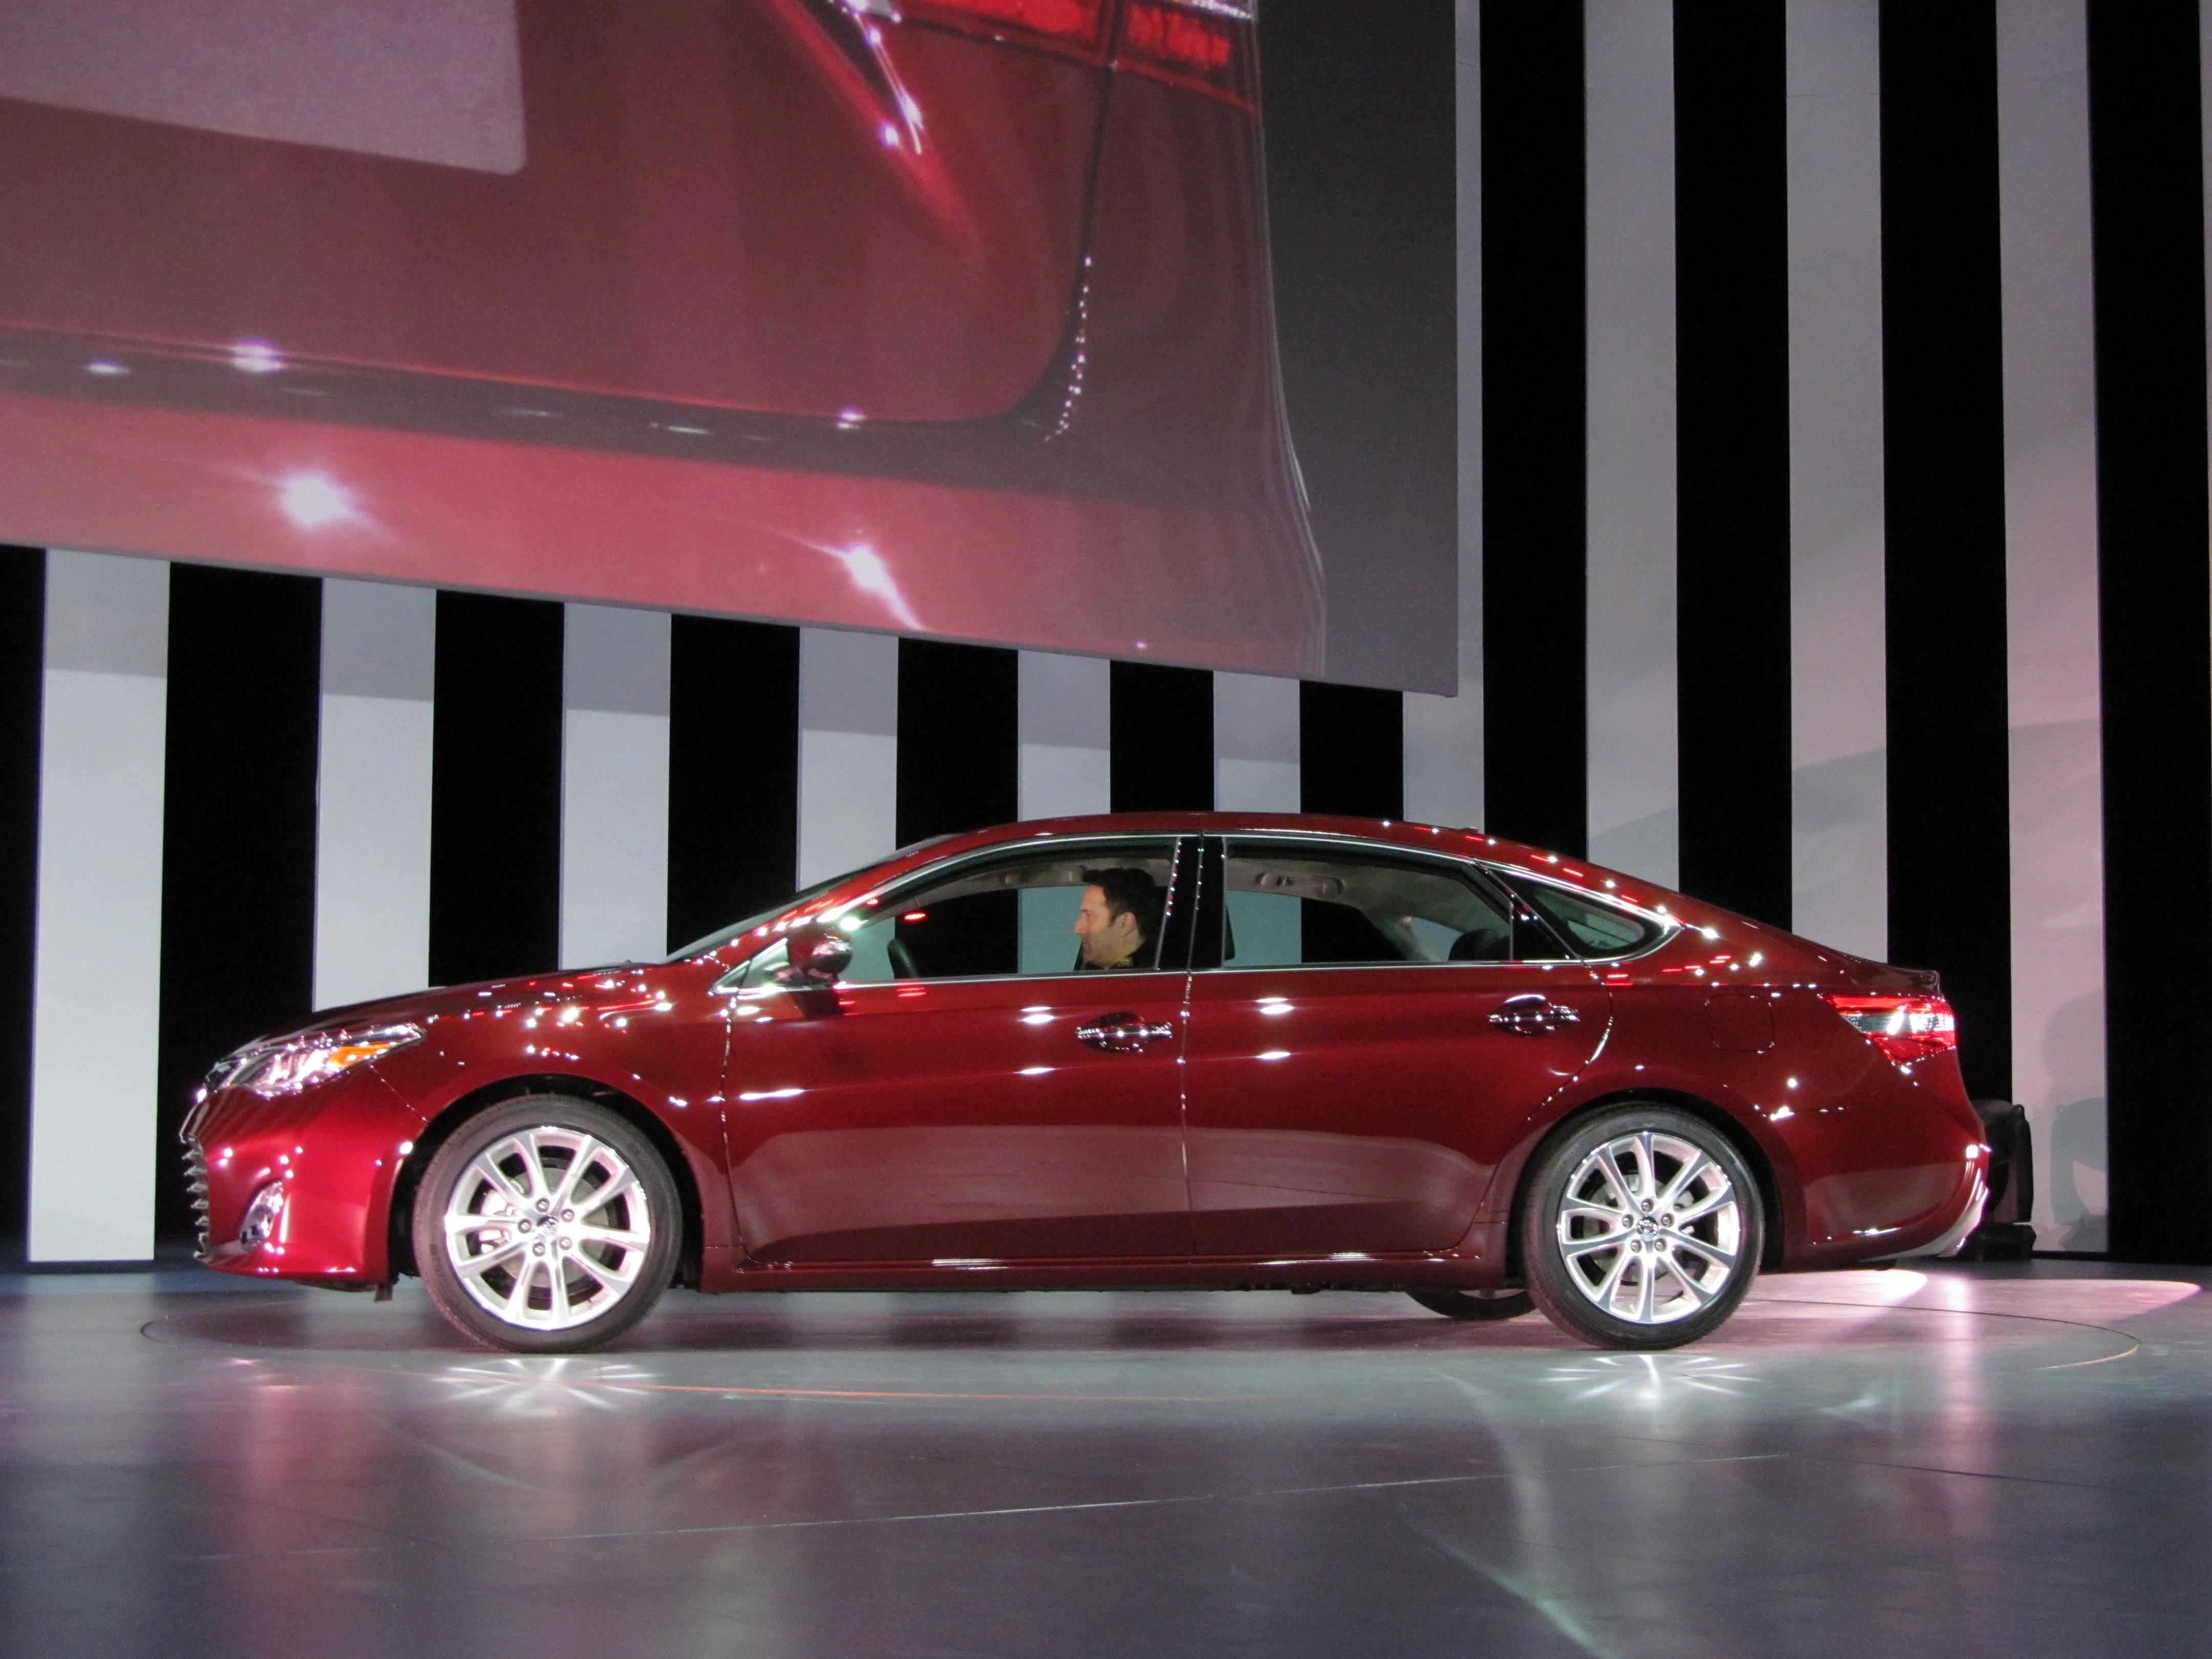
(1014, 915)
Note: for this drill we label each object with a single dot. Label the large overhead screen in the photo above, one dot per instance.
(947, 316)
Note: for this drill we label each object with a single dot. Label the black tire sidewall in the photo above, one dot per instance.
(1481, 1310)
(1550, 1281)
(544, 1111)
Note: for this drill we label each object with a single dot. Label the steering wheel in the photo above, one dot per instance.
(901, 959)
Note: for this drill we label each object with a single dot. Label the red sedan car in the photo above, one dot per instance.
(1187, 1049)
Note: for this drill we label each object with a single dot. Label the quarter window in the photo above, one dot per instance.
(1593, 928)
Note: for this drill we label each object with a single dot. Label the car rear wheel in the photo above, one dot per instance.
(546, 1226)
(1642, 1229)
(1476, 1305)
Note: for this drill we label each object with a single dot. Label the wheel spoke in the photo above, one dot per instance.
(1610, 1168)
(1683, 1176)
(587, 1157)
(1606, 1287)
(1573, 1211)
(623, 1183)
(557, 1280)
(533, 1160)
(1690, 1288)
(628, 1238)
(479, 1265)
(516, 1305)
(615, 1278)
(500, 1182)
(1573, 1247)
(1643, 1314)
(1725, 1261)
(1720, 1199)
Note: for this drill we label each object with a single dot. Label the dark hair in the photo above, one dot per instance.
(1132, 893)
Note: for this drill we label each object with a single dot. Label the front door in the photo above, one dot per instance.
(972, 1090)
(1374, 1033)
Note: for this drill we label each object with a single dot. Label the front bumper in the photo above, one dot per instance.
(338, 1149)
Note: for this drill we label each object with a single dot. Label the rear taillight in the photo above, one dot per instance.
(1206, 45)
(1076, 26)
(1905, 1029)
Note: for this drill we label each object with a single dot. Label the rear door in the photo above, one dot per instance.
(1378, 1024)
(967, 1094)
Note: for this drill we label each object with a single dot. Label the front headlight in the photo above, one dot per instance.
(304, 1062)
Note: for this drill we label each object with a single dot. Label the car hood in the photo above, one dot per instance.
(584, 985)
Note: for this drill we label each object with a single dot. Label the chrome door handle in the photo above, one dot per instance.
(1123, 1034)
(1532, 1014)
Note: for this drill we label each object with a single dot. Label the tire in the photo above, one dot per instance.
(476, 1226)
(1482, 1305)
(1602, 1264)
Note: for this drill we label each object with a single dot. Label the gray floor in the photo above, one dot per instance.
(1980, 1460)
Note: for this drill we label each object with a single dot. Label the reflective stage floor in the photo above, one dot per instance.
(1978, 1460)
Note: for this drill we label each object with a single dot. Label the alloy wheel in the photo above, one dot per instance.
(548, 1228)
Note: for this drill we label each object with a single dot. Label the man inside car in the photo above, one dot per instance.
(1119, 920)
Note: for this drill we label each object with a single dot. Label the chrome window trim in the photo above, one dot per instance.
(1668, 924)
(1175, 838)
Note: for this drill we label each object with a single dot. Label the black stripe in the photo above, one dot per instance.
(1950, 890)
(2147, 215)
(1732, 417)
(238, 832)
(496, 789)
(732, 771)
(1351, 750)
(1360, 138)
(22, 680)
(959, 738)
(1535, 574)
(1160, 738)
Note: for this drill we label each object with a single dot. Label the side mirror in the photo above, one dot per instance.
(817, 957)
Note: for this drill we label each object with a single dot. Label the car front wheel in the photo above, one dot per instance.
(1642, 1229)
(546, 1226)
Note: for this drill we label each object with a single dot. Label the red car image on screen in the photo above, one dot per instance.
(1324, 1053)
(943, 316)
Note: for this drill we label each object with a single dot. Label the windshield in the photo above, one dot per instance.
(722, 936)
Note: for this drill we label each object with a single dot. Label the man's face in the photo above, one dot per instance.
(1108, 940)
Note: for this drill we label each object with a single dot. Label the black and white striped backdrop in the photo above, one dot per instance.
(1833, 545)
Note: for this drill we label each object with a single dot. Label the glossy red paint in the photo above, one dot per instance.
(837, 314)
(1374, 1132)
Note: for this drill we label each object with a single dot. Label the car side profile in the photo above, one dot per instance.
(1198, 1050)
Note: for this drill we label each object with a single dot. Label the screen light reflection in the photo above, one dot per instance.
(315, 501)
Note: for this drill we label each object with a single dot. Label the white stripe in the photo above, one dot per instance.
(614, 785)
(1443, 735)
(372, 790)
(1066, 720)
(94, 1077)
(847, 750)
(2051, 597)
(1256, 744)
(1629, 133)
(1839, 761)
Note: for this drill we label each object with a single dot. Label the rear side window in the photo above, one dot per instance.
(1593, 929)
(1298, 904)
